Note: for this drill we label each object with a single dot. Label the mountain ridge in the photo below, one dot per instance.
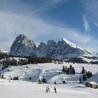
(23, 46)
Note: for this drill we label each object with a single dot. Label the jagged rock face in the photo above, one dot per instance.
(51, 48)
(65, 51)
(41, 50)
(59, 50)
(22, 46)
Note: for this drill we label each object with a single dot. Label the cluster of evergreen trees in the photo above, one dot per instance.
(68, 70)
(71, 71)
(85, 75)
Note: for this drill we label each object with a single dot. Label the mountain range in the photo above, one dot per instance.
(64, 49)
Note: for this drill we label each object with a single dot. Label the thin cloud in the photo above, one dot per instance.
(91, 9)
(86, 24)
(55, 2)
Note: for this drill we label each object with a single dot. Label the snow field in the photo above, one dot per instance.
(31, 89)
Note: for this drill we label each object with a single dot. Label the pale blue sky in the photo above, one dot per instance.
(41, 20)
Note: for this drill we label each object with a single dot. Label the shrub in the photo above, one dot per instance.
(89, 74)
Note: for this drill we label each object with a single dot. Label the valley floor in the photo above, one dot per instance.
(23, 88)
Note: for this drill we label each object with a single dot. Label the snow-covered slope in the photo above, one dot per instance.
(24, 89)
(70, 43)
(20, 89)
(3, 51)
(48, 70)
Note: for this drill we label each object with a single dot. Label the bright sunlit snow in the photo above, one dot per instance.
(31, 89)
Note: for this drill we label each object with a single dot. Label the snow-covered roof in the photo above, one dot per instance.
(92, 82)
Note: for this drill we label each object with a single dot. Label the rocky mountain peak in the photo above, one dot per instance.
(22, 46)
(63, 49)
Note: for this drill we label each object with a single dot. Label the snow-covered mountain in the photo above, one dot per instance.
(22, 46)
(63, 49)
(3, 51)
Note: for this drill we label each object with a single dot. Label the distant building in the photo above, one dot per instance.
(92, 84)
